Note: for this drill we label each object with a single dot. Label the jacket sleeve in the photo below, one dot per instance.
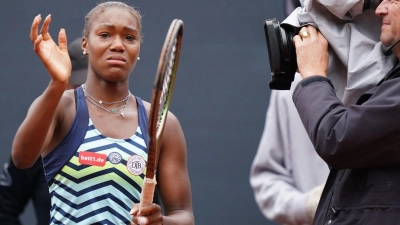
(360, 136)
(271, 178)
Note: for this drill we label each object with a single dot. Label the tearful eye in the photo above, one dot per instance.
(130, 38)
(104, 35)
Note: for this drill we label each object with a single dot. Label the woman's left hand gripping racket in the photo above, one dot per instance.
(160, 101)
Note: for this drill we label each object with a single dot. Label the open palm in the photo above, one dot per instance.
(55, 58)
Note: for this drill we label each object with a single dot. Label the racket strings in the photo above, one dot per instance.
(167, 83)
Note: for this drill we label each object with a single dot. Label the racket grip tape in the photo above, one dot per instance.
(146, 197)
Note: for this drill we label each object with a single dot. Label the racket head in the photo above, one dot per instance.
(162, 91)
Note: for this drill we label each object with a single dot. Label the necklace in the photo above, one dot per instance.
(106, 103)
(99, 102)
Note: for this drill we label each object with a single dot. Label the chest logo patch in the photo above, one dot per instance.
(92, 159)
(114, 157)
(136, 165)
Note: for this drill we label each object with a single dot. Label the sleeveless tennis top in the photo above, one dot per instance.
(94, 179)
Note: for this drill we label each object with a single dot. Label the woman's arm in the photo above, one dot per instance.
(173, 177)
(37, 129)
(172, 182)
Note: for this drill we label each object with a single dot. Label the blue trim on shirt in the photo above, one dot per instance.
(61, 154)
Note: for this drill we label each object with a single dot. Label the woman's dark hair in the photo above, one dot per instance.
(100, 8)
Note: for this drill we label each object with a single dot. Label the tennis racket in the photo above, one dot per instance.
(160, 102)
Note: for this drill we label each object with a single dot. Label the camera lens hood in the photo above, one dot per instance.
(281, 53)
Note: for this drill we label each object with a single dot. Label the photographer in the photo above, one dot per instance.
(356, 61)
(287, 175)
(360, 143)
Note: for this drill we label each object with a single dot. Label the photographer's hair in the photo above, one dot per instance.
(100, 8)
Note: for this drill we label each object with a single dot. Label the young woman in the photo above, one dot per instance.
(86, 137)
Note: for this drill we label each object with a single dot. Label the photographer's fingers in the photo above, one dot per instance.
(308, 32)
(312, 31)
(311, 52)
(304, 33)
(296, 39)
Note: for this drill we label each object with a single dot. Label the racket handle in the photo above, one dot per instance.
(146, 197)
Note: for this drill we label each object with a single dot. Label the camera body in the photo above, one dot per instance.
(282, 53)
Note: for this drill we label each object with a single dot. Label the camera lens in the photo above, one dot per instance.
(281, 53)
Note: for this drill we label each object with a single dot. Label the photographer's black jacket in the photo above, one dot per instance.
(17, 188)
(361, 144)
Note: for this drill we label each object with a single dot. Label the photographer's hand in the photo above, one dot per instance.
(312, 52)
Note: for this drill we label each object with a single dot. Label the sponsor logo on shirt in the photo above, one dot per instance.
(114, 157)
(136, 165)
(92, 159)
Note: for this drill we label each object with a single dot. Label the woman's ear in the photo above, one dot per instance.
(84, 46)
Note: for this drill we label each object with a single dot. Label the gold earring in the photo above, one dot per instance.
(85, 52)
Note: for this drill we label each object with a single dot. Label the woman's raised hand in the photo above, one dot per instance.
(55, 58)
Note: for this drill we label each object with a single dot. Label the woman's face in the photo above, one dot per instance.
(113, 44)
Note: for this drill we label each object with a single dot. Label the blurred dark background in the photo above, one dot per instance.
(221, 92)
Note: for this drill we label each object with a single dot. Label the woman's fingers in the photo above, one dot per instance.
(62, 40)
(149, 215)
(44, 31)
(34, 28)
(135, 209)
(155, 208)
(37, 42)
(45, 28)
(143, 220)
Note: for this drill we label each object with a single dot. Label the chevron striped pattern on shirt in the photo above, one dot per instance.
(95, 186)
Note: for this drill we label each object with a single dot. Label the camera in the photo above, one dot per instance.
(282, 53)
